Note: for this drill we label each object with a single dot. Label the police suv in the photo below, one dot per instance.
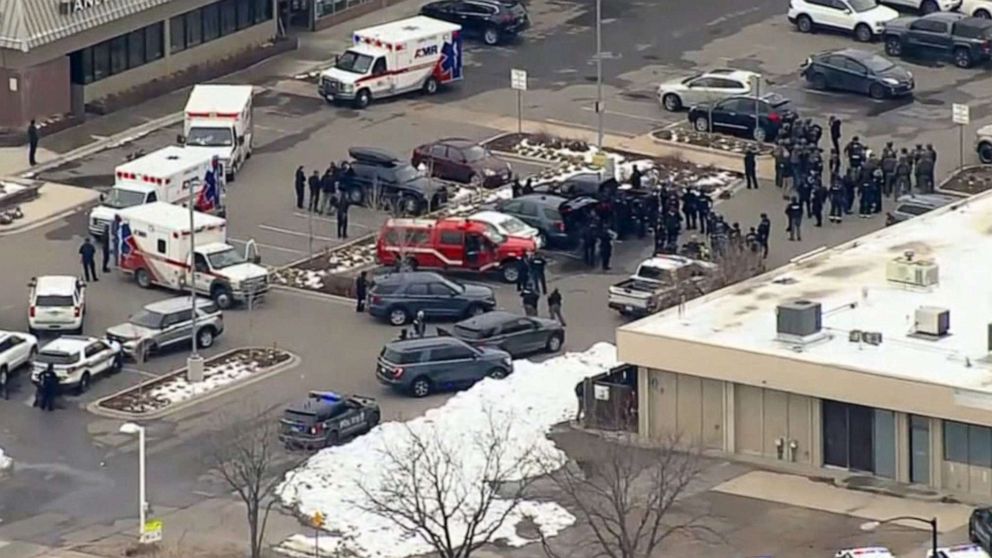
(324, 418)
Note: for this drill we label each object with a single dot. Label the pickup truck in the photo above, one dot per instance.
(964, 39)
(661, 282)
(983, 144)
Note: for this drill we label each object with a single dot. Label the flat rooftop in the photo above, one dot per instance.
(850, 283)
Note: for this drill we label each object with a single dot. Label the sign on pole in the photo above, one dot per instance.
(518, 82)
(961, 114)
(152, 533)
(318, 520)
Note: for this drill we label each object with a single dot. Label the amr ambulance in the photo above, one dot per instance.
(168, 175)
(154, 246)
(419, 53)
(218, 122)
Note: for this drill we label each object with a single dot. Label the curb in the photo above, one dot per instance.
(30, 225)
(95, 408)
(724, 160)
(940, 187)
(319, 294)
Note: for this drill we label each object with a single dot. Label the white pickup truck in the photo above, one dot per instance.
(661, 282)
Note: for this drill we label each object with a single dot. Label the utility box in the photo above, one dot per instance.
(799, 318)
(933, 321)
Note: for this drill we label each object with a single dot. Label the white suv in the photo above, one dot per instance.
(77, 360)
(16, 350)
(983, 144)
(56, 303)
(977, 8)
(864, 18)
(927, 6)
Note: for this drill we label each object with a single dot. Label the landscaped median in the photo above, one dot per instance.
(968, 180)
(172, 392)
(717, 150)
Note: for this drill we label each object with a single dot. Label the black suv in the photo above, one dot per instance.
(493, 20)
(966, 40)
(389, 182)
(398, 297)
(559, 220)
(324, 418)
(980, 528)
(424, 365)
(736, 115)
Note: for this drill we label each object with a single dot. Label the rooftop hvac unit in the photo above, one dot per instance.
(908, 270)
(932, 321)
(799, 318)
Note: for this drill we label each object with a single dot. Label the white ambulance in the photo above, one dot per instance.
(154, 246)
(218, 121)
(419, 53)
(170, 175)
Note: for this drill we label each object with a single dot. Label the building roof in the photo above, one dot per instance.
(850, 283)
(27, 24)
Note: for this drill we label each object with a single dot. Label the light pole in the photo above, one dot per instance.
(932, 522)
(131, 429)
(194, 364)
(599, 74)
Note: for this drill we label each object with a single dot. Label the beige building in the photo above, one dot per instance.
(871, 357)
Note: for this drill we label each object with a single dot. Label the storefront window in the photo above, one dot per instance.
(153, 42)
(136, 48)
(118, 54)
(101, 61)
(211, 22)
(245, 13)
(177, 34)
(194, 28)
(229, 16)
(955, 441)
(979, 446)
(263, 10)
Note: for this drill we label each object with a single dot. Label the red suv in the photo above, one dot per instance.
(462, 160)
(451, 244)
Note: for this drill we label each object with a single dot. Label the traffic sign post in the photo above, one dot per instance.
(317, 521)
(152, 531)
(961, 115)
(518, 82)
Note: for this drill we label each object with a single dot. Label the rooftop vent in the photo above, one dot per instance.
(798, 320)
(909, 270)
(932, 322)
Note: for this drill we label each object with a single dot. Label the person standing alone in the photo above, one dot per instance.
(554, 307)
(750, 172)
(32, 143)
(794, 214)
(314, 184)
(342, 217)
(361, 289)
(299, 183)
(87, 254)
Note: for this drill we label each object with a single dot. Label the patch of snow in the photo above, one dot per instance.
(7, 188)
(5, 462)
(179, 389)
(531, 400)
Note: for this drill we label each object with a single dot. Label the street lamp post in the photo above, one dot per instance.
(131, 429)
(932, 522)
(599, 74)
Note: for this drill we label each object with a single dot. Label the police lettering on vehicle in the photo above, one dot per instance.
(357, 419)
(426, 51)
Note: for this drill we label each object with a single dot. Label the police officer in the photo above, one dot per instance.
(554, 307)
(855, 152)
(87, 256)
(689, 209)
(299, 184)
(589, 245)
(750, 174)
(673, 226)
(931, 154)
(889, 160)
(314, 184)
(836, 198)
(819, 198)
(794, 215)
(850, 188)
(764, 232)
(924, 170)
(904, 167)
(523, 275)
(704, 204)
(327, 188)
(537, 267)
(877, 185)
(342, 215)
(605, 248)
(834, 164)
(530, 300)
(361, 290)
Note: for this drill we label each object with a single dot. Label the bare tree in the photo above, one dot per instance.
(248, 457)
(455, 498)
(627, 498)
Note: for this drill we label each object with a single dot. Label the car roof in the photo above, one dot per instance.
(855, 53)
(68, 344)
(930, 200)
(409, 277)
(420, 343)
(174, 304)
(948, 17)
(542, 199)
(373, 155)
(458, 142)
(489, 319)
(56, 284)
(740, 75)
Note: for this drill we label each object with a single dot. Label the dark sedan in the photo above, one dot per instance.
(492, 20)
(759, 118)
(398, 297)
(515, 334)
(859, 71)
(462, 160)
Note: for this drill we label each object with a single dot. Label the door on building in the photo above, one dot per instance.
(849, 438)
(919, 449)
(295, 14)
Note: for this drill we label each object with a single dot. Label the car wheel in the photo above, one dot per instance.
(876, 91)
(929, 6)
(363, 98)
(893, 46)
(398, 316)
(142, 277)
(475, 180)
(205, 338)
(700, 124)
(759, 134)
(33, 354)
(331, 439)
(984, 14)
(372, 421)
(118, 363)
(510, 272)
(542, 239)
(496, 373)
(474, 310)
(819, 82)
(84, 383)
(862, 33)
(430, 86)
(386, 204)
(222, 296)
(355, 196)
(411, 206)
(421, 387)
(985, 153)
(971, 532)
(554, 343)
(962, 58)
(804, 24)
(671, 102)
(491, 36)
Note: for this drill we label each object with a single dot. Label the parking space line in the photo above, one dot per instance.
(294, 233)
(131, 370)
(587, 127)
(331, 220)
(267, 246)
(625, 115)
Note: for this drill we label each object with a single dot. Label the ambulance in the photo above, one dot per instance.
(217, 121)
(154, 247)
(415, 54)
(168, 175)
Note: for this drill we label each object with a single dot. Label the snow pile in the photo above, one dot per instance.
(531, 400)
(180, 389)
(5, 462)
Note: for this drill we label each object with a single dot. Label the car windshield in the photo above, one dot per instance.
(862, 5)
(210, 137)
(56, 357)
(225, 258)
(513, 226)
(405, 173)
(458, 287)
(353, 62)
(877, 63)
(147, 319)
(690, 78)
(119, 198)
(494, 236)
(53, 300)
(475, 153)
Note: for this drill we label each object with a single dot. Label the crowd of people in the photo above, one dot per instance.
(326, 194)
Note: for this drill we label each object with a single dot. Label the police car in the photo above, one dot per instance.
(324, 418)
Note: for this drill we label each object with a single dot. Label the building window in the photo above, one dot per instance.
(246, 10)
(229, 16)
(263, 10)
(153, 42)
(136, 48)
(955, 442)
(101, 61)
(116, 55)
(979, 446)
(194, 28)
(211, 22)
(177, 34)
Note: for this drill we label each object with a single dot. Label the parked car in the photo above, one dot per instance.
(559, 220)
(759, 118)
(707, 87)
(907, 207)
(865, 19)
(859, 71)
(958, 551)
(77, 360)
(398, 297)
(492, 20)
(977, 8)
(980, 528)
(167, 323)
(463, 160)
(325, 418)
(515, 334)
(56, 303)
(580, 184)
(425, 365)
(927, 6)
(16, 350)
(964, 39)
(508, 225)
(382, 178)
(983, 144)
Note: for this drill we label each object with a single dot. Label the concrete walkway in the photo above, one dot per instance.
(54, 201)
